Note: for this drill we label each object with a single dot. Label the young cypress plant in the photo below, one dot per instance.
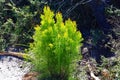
(56, 47)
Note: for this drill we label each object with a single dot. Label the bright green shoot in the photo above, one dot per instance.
(56, 47)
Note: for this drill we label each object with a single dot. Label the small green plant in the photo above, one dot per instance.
(56, 47)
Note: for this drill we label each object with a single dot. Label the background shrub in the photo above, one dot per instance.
(16, 23)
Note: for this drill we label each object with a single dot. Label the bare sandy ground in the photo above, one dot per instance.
(13, 68)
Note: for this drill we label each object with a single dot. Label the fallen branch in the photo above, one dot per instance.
(15, 54)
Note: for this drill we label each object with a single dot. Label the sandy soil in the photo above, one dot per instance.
(13, 68)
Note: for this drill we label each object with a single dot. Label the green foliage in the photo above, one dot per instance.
(24, 24)
(113, 11)
(16, 25)
(56, 46)
(17, 21)
(112, 65)
(2, 0)
(7, 36)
